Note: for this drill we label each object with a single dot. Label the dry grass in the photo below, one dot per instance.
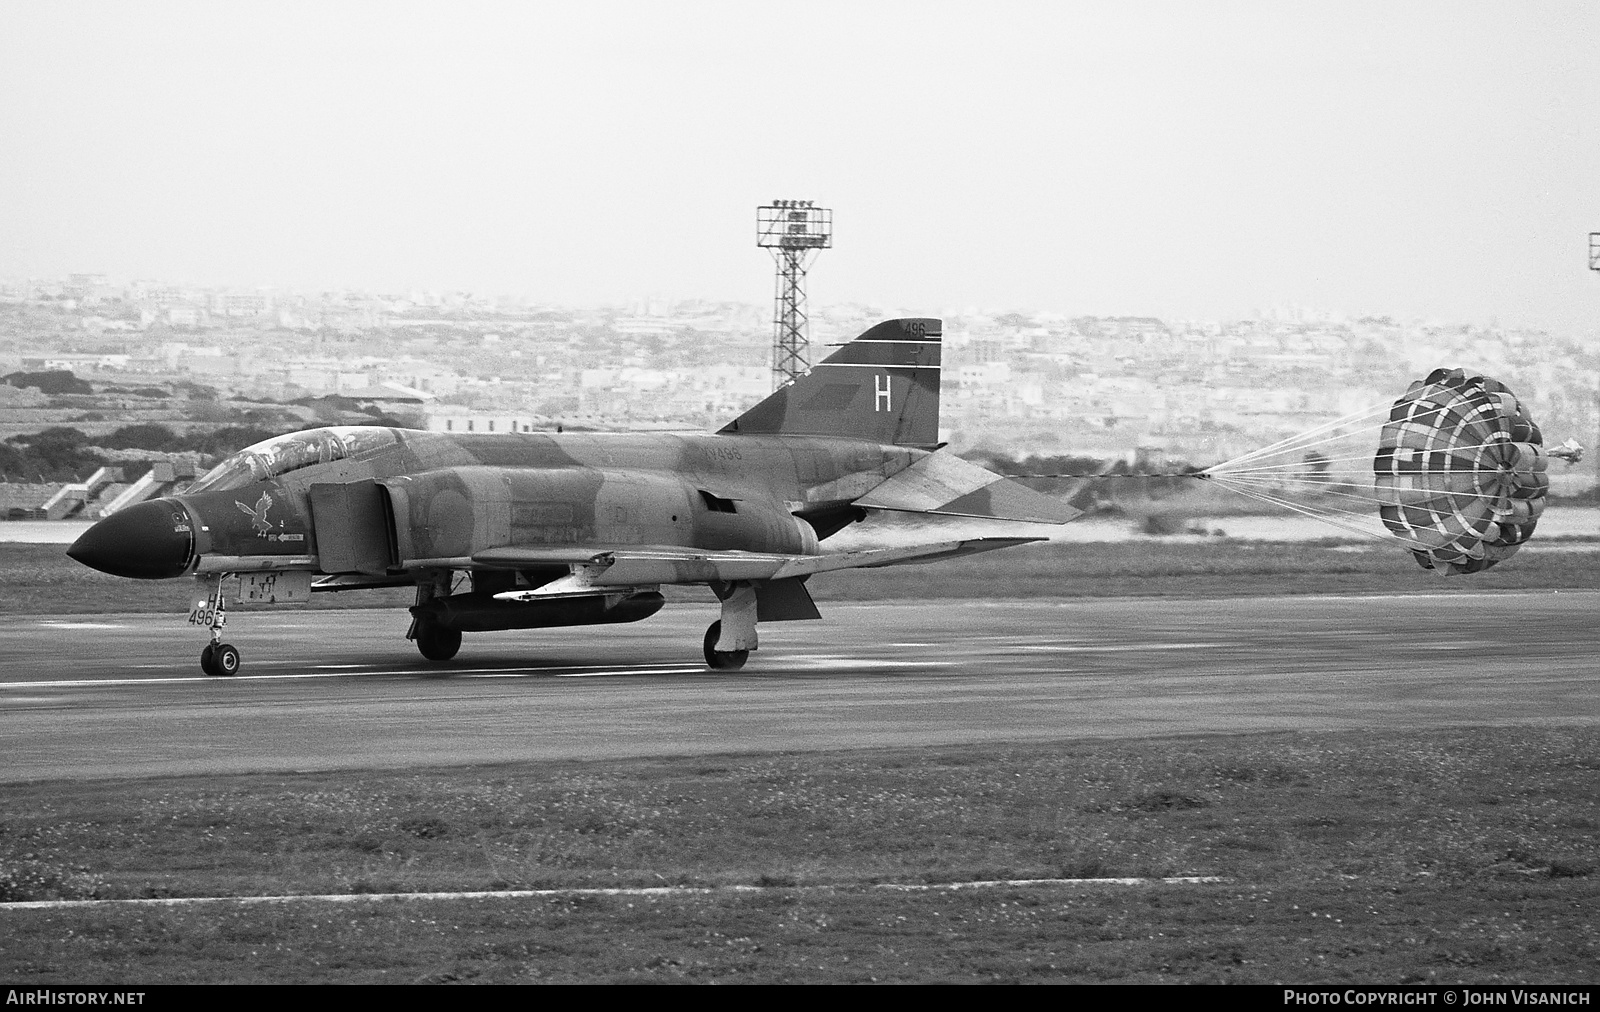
(1216, 568)
(40, 579)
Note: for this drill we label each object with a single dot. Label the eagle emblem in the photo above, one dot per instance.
(258, 516)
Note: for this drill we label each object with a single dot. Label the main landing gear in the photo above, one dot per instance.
(218, 659)
(731, 638)
(433, 640)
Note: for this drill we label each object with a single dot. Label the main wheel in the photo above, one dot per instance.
(722, 660)
(437, 644)
(208, 660)
(225, 660)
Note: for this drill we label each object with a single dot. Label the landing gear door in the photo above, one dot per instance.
(354, 527)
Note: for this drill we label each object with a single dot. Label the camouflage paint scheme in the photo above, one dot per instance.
(541, 520)
(455, 495)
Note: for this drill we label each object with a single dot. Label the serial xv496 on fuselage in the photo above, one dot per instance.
(562, 529)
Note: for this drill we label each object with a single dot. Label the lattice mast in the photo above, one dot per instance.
(1594, 265)
(794, 230)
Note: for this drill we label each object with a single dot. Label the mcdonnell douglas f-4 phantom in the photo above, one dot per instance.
(537, 529)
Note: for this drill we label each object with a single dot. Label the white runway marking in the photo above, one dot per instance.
(1120, 648)
(832, 662)
(348, 670)
(1461, 595)
(668, 891)
(81, 625)
(696, 670)
(80, 683)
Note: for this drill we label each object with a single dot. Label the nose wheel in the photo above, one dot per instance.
(220, 659)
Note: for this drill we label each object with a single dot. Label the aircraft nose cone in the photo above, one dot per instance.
(151, 541)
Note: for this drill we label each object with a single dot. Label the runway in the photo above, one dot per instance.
(122, 695)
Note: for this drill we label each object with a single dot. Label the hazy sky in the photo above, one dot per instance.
(1184, 160)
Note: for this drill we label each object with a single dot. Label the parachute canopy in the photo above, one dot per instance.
(1461, 467)
(1457, 478)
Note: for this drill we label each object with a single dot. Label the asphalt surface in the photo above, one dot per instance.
(123, 696)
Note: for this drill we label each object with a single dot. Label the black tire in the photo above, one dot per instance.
(226, 660)
(208, 660)
(437, 644)
(722, 660)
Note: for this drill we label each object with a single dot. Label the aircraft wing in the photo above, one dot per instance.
(597, 568)
(949, 486)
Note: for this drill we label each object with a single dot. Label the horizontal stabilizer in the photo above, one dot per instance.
(949, 486)
(597, 568)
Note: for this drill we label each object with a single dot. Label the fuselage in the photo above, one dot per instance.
(384, 501)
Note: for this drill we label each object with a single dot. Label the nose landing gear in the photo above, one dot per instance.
(218, 659)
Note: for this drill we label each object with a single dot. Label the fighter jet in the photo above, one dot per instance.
(541, 529)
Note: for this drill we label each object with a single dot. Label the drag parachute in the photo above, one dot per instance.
(1462, 466)
(1458, 476)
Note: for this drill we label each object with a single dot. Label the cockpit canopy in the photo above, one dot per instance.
(282, 454)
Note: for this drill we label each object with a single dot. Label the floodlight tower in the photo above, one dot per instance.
(793, 230)
(1594, 265)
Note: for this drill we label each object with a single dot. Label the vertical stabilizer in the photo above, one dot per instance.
(882, 387)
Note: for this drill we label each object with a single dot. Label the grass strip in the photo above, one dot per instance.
(523, 894)
(1465, 854)
(40, 579)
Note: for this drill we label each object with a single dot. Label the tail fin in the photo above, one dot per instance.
(882, 387)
